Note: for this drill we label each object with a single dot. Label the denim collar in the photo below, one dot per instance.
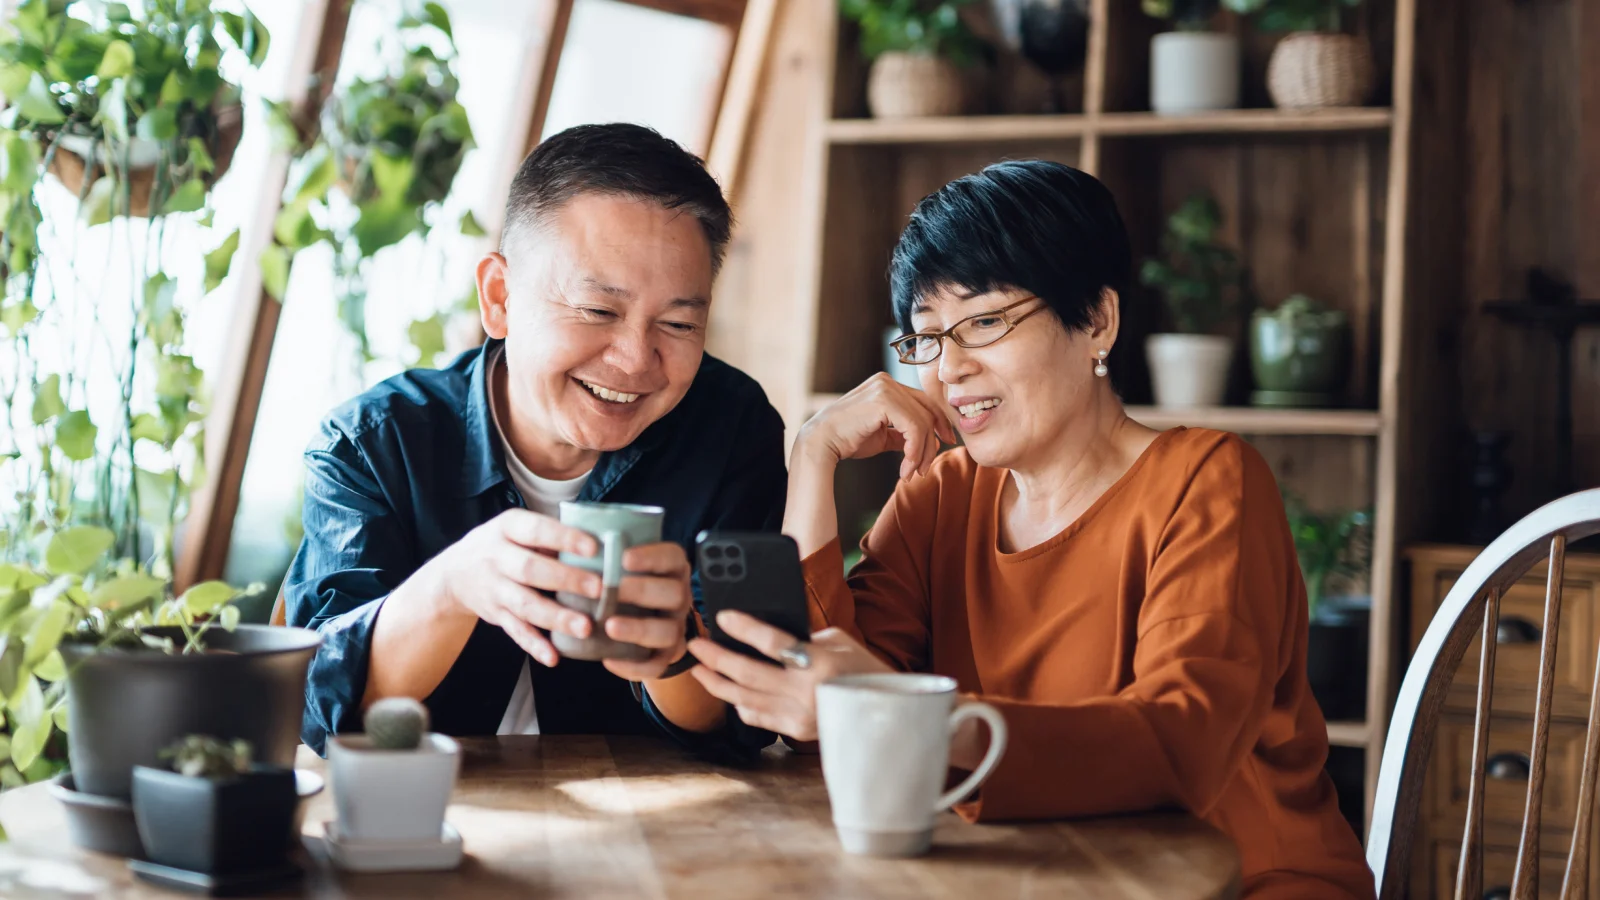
(483, 461)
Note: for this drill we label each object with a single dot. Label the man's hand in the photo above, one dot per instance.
(658, 579)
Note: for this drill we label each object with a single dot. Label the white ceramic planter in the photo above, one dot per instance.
(392, 795)
(1188, 370)
(1193, 71)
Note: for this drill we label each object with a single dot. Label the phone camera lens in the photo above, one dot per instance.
(713, 552)
(736, 571)
(733, 552)
(715, 571)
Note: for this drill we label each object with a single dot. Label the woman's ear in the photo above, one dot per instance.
(1105, 320)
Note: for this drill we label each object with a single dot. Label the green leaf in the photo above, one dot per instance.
(280, 122)
(319, 176)
(117, 61)
(73, 551)
(37, 104)
(294, 228)
(439, 19)
(11, 650)
(60, 717)
(201, 158)
(52, 667)
(172, 89)
(14, 78)
(383, 224)
(113, 113)
(17, 315)
(427, 335)
(259, 40)
(159, 124)
(469, 226)
(45, 635)
(220, 260)
(274, 264)
(205, 597)
(28, 739)
(189, 197)
(229, 617)
(75, 435)
(21, 161)
(147, 427)
(126, 591)
(47, 400)
(96, 209)
(392, 175)
(118, 12)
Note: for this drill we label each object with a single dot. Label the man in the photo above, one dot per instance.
(431, 500)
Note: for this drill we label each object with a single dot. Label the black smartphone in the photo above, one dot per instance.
(755, 573)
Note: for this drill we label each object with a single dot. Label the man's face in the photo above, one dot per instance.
(603, 309)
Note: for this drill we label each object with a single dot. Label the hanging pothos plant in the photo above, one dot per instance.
(378, 170)
(133, 115)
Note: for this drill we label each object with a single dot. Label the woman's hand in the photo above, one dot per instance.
(766, 696)
(878, 416)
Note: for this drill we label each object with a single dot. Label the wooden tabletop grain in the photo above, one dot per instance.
(602, 817)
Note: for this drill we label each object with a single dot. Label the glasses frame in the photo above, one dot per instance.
(1012, 321)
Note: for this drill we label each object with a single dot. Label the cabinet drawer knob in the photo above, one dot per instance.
(1516, 630)
(1507, 767)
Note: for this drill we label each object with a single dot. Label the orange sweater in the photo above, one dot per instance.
(1150, 655)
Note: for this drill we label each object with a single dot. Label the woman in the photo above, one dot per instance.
(1129, 599)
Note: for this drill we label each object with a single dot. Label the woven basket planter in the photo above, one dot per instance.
(1312, 70)
(71, 161)
(912, 85)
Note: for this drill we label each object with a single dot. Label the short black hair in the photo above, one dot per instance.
(622, 160)
(1032, 225)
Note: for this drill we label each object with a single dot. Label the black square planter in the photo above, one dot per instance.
(223, 826)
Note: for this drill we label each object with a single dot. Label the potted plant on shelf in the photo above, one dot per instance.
(1297, 353)
(214, 812)
(1334, 546)
(1315, 65)
(918, 50)
(390, 789)
(1192, 68)
(1199, 281)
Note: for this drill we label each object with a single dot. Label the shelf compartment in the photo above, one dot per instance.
(989, 129)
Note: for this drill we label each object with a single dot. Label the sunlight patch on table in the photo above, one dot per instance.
(652, 793)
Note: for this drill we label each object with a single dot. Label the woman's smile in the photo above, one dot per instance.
(975, 412)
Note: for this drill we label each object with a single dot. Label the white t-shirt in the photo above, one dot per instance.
(541, 495)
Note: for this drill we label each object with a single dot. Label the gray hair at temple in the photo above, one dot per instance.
(621, 160)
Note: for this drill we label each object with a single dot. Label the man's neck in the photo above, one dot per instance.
(545, 458)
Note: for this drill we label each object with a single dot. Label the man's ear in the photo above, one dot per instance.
(493, 292)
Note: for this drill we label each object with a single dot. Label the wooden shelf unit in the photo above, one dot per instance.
(1314, 202)
(998, 129)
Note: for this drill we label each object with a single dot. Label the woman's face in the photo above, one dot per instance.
(1011, 400)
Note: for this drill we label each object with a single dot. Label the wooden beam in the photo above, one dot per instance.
(723, 12)
(1588, 218)
(558, 16)
(743, 79)
(232, 419)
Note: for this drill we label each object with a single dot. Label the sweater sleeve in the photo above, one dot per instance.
(884, 603)
(1210, 639)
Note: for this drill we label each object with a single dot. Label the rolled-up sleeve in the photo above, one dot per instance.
(355, 552)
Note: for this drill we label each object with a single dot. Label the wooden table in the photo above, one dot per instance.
(598, 817)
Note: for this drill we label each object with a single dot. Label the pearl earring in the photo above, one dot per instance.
(1100, 369)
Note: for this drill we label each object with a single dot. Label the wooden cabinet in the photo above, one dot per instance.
(1434, 570)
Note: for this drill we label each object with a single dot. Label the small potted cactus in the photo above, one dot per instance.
(215, 811)
(393, 782)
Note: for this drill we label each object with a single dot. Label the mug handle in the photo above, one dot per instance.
(997, 746)
(612, 546)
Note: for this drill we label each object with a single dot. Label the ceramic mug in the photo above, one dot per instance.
(885, 750)
(616, 526)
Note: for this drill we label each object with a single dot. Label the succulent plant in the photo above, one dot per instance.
(203, 756)
(396, 723)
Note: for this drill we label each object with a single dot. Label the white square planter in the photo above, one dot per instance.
(392, 795)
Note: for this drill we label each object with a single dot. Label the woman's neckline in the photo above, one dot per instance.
(1077, 524)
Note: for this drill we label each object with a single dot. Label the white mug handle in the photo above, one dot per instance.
(997, 746)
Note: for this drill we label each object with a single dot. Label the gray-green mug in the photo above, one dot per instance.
(616, 526)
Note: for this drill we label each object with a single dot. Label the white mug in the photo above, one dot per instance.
(885, 750)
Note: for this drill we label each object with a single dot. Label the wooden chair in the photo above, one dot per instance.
(1474, 601)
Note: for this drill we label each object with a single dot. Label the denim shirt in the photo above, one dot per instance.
(409, 467)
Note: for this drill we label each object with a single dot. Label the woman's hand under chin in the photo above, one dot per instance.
(769, 696)
(879, 416)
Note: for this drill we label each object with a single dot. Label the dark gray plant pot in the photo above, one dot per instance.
(220, 827)
(124, 706)
(1336, 657)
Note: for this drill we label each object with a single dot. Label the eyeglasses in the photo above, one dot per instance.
(980, 330)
